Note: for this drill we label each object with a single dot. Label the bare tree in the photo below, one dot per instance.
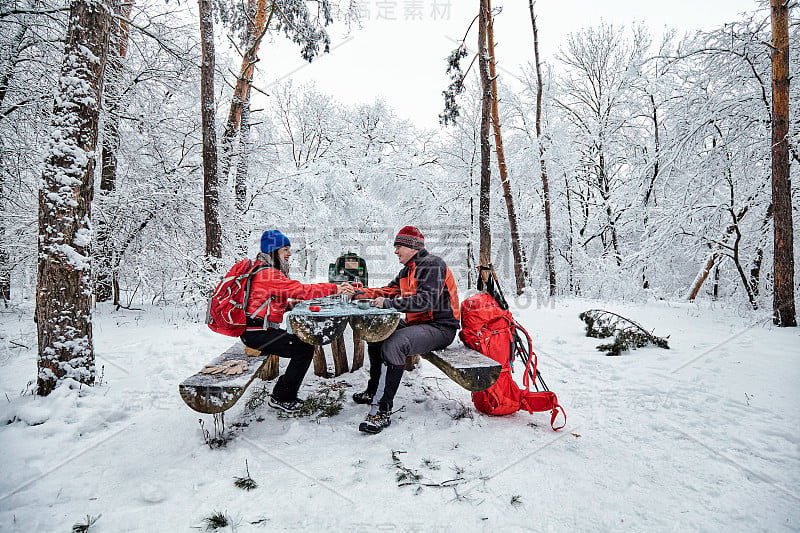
(520, 268)
(783, 297)
(11, 51)
(548, 225)
(715, 128)
(242, 173)
(715, 254)
(63, 296)
(484, 228)
(106, 283)
(297, 21)
(597, 85)
(258, 23)
(208, 112)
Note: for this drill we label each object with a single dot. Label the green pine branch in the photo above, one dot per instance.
(628, 335)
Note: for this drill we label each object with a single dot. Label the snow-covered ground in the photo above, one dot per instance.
(702, 437)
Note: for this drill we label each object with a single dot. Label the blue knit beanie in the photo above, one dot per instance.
(272, 240)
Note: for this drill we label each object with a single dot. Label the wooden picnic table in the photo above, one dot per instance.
(323, 321)
(216, 392)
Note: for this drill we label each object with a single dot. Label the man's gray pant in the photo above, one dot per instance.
(388, 358)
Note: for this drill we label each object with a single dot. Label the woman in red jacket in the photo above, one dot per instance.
(270, 291)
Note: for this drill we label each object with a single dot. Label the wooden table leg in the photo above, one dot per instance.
(339, 356)
(358, 352)
(320, 364)
(411, 362)
(270, 369)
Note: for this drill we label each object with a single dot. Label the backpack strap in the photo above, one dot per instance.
(554, 414)
(532, 358)
(267, 303)
(544, 401)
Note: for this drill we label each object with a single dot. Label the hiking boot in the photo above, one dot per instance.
(291, 407)
(376, 423)
(363, 397)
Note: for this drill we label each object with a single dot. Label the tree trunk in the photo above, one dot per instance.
(656, 167)
(102, 259)
(737, 262)
(656, 150)
(484, 228)
(548, 226)
(240, 186)
(520, 268)
(570, 243)
(755, 270)
(339, 352)
(118, 50)
(242, 171)
(103, 251)
(210, 181)
(712, 258)
(5, 257)
(411, 362)
(703, 275)
(63, 292)
(358, 352)
(241, 91)
(469, 240)
(715, 289)
(15, 47)
(271, 368)
(783, 296)
(605, 194)
(320, 363)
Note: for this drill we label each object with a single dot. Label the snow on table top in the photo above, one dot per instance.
(335, 308)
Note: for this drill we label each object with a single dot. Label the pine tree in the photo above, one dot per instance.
(783, 301)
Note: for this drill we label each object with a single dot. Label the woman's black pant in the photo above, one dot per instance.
(278, 342)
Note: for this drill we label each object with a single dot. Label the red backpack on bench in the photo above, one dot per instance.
(227, 307)
(491, 330)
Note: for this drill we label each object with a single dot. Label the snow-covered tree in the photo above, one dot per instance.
(63, 297)
(31, 44)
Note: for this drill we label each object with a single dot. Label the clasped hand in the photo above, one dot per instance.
(345, 288)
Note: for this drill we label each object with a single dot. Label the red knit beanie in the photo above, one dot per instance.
(411, 237)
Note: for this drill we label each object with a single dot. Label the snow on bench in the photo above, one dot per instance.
(467, 367)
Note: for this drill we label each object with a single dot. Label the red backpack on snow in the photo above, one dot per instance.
(227, 308)
(491, 330)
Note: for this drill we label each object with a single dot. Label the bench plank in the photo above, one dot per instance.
(215, 393)
(467, 367)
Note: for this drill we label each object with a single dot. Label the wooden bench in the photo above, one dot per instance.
(215, 393)
(469, 368)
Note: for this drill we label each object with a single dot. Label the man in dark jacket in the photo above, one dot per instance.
(426, 291)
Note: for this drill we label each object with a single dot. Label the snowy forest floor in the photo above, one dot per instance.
(702, 437)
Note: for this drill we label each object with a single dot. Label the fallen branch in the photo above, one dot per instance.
(627, 334)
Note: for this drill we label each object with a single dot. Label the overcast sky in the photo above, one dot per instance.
(398, 54)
